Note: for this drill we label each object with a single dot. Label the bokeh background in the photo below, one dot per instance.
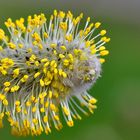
(118, 91)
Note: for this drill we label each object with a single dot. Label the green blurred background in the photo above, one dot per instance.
(118, 90)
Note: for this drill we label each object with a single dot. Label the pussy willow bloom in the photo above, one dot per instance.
(46, 68)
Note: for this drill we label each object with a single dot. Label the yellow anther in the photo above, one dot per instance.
(50, 94)
(97, 24)
(76, 21)
(103, 32)
(32, 58)
(63, 25)
(44, 70)
(53, 107)
(63, 48)
(28, 63)
(102, 48)
(70, 56)
(87, 43)
(2, 97)
(61, 56)
(60, 72)
(7, 113)
(35, 43)
(5, 102)
(49, 75)
(77, 51)
(42, 110)
(7, 84)
(4, 72)
(70, 123)
(66, 111)
(88, 19)
(25, 78)
(35, 121)
(103, 39)
(46, 104)
(36, 37)
(45, 119)
(6, 89)
(56, 117)
(69, 15)
(40, 46)
(92, 101)
(20, 24)
(61, 14)
(26, 123)
(42, 101)
(55, 71)
(41, 96)
(1, 116)
(53, 45)
(34, 109)
(55, 52)
(28, 103)
(64, 74)
(18, 109)
(45, 35)
(44, 94)
(55, 13)
(66, 62)
(33, 98)
(107, 40)
(91, 25)
(47, 83)
(36, 74)
(102, 60)
(36, 63)
(15, 88)
(9, 23)
(93, 51)
(17, 103)
(69, 37)
(53, 64)
(12, 45)
(20, 45)
(44, 60)
(81, 33)
(104, 52)
(93, 47)
(16, 72)
(42, 83)
(2, 34)
(46, 64)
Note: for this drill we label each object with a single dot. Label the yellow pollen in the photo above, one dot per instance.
(97, 24)
(103, 32)
(104, 52)
(36, 74)
(5, 102)
(7, 84)
(63, 48)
